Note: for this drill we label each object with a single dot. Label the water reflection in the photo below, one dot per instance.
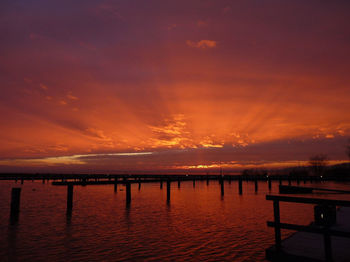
(195, 225)
(14, 218)
(68, 218)
(12, 241)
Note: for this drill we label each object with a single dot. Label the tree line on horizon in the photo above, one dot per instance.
(317, 166)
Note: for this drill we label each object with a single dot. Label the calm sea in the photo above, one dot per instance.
(197, 225)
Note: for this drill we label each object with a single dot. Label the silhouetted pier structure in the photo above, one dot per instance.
(159, 177)
(331, 230)
(71, 180)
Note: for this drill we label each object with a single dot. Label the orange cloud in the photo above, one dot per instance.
(201, 23)
(43, 87)
(71, 97)
(203, 44)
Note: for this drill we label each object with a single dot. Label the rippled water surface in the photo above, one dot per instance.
(197, 225)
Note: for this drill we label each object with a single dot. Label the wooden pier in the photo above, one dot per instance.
(308, 190)
(72, 180)
(326, 239)
(230, 177)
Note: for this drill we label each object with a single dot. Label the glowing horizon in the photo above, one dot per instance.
(173, 84)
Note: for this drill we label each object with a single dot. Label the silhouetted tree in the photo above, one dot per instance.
(318, 163)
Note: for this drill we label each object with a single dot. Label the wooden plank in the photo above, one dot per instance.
(284, 189)
(307, 200)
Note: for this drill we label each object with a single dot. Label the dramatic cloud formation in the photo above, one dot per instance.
(193, 83)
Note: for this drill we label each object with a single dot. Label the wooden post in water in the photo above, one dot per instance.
(168, 190)
(69, 198)
(21, 180)
(276, 213)
(222, 186)
(256, 184)
(269, 181)
(128, 192)
(15, 203)
(161, 184)
(115, 185)
(178, 183)
(207, 181)
(194, 182)
(240, 185)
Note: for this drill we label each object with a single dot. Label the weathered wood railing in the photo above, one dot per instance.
(326, 231)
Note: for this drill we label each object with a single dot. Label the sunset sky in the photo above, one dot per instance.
(103, 86)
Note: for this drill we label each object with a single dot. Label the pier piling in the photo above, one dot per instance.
(15, 202)
(269, 181)
(128, 192)
(69, 198)
(168, 190)
(222, 186)
(276, 213)
(256, 185)
(240, 185)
